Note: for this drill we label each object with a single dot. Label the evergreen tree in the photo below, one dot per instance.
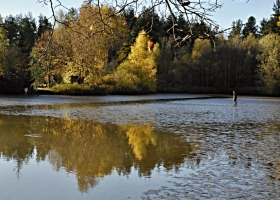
(236, 28)
(12, 28)
(273, 20)
(250, 27)
(270, 26)
(37, 68)
(27, 33)
(199, 29)
(183, 25)
(265, 28)
(276, 8)
(168, 24)
(179, 30)
(151, 23)
(70, 16)
(44, 25)
(130, 18)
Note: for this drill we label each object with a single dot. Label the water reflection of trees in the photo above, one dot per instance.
(13, 144)
(88, 149)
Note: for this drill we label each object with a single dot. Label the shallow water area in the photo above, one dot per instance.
(133, 147)
(12, 100)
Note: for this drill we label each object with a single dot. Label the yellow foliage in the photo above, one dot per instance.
(138, 72)
(269, 58)
(83, 49)
(139, 138)
(4, 42)
(88, 149)
(90, 49)
(200, 48)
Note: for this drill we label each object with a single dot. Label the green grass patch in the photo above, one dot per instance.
(81, 89)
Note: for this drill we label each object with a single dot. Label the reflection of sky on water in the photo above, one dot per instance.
(234, 150)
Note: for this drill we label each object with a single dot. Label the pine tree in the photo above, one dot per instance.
(250, 27)
(265, 28)
(273, 20)
(270, 26)
(12, 29)
(44, 25)
(27, 33)
(236, 28)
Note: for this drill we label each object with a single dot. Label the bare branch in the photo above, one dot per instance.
(192, 11)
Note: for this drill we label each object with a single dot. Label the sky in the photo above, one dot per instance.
(232, 10)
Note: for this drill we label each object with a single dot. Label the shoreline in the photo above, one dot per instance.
(44, 91)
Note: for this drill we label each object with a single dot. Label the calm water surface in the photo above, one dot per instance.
(139, 147)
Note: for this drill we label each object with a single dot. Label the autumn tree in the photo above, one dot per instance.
(74, 49)
(200, 50)
(269, 68)
(150, 21)
(89, 48)
(4, 43)
(191, 11)
(251, 48)
(46, 63)
(138, 72)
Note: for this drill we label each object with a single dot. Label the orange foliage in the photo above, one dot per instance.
(150, 45)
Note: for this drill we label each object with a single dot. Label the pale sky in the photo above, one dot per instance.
(232, 10)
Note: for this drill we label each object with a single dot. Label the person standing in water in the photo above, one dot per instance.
(235, 98)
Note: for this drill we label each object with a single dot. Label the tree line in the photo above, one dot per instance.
(117, 59)
(17, 38)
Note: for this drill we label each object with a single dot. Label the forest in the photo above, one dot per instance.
(75, 58)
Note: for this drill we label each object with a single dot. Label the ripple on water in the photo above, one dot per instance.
(235, 149)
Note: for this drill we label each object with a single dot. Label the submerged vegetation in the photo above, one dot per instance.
(117, 59)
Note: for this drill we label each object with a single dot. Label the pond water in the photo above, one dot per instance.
(139, 147)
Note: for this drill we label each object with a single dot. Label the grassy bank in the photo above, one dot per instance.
(80, 89)
(76, 89)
